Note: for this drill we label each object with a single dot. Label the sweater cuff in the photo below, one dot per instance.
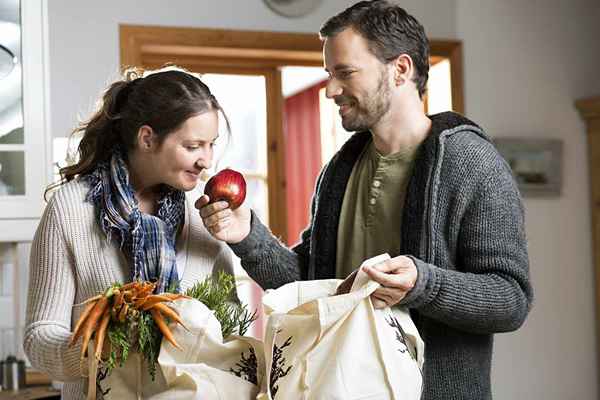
(258, 232)
(419, 293)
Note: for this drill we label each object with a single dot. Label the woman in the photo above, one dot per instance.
(122, 212)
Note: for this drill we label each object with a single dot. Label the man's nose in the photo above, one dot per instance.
(333, 88)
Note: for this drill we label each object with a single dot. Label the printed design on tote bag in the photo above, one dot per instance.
(247, 367)
(100, 376)
(401, 336)
(279, 368)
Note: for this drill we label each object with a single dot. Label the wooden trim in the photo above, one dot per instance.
(276, 156)
(36, 378)
(254, 53)
(214, 46)
(590, 111)
(210, 38)
(589, 108)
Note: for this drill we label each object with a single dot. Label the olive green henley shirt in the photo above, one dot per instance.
(372, 208)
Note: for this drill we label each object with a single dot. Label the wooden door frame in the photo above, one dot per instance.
(589, 108)
(256, 53)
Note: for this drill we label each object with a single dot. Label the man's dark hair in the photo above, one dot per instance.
(389, 30)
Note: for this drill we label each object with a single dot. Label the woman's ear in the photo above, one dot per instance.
(145, 138)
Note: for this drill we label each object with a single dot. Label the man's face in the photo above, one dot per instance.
(358, 83)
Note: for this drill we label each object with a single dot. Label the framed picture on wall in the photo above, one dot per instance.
(536, 164)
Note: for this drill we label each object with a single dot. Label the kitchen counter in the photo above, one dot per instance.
(31, 393)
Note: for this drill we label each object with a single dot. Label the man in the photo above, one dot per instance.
(431, 191)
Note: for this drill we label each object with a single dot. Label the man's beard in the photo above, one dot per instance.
(363, 117)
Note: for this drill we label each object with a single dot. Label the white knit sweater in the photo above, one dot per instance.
(71, 261)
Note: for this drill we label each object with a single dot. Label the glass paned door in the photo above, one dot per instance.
(12, 173)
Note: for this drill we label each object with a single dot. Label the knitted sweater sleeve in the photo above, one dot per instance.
(490, 290)
(50, 302)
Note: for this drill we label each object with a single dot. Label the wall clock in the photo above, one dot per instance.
(292, 8)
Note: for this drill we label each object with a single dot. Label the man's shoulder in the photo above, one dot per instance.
(467, 150)
(463, 140)
(448, 122)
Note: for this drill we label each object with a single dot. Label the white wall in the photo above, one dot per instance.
(526, 62)
(84, 38)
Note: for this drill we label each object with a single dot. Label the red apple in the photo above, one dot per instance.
(228, 185)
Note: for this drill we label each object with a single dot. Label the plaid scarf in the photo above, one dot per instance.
(147, 240)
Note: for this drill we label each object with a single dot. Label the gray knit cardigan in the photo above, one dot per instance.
(463, 226)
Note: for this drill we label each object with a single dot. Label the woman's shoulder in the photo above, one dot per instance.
(68, 195)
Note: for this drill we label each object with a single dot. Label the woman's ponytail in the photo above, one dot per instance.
(101, 134)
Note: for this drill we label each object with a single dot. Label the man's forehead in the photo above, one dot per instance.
(344, 50)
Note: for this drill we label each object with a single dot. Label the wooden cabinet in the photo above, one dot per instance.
(590, 111)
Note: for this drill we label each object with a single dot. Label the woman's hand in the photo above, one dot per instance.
(222, 223)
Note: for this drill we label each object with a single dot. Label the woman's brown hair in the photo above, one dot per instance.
(163, 99)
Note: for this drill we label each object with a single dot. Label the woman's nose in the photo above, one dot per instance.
(203, 163)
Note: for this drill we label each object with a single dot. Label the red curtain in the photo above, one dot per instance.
(302, 129)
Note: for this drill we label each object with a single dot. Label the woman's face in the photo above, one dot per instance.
(186, 152)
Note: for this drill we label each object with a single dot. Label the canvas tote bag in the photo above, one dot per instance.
(320, 347)
(208, 368)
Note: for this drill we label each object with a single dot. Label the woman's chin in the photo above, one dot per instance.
(188, 185)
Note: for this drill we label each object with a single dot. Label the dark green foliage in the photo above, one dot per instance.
(219, 295)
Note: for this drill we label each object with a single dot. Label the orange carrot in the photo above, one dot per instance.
(90, 300)
(123, 312)
(119, 301)
(147, 289)
(162, 325)
(80, 321)
(128, 296)
(128, 286)
(101, 334)
(92, 321)
(175, 296)
(139, 302)
(168, 312)
(152, 300)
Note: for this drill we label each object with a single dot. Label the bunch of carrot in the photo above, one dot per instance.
(115, 304)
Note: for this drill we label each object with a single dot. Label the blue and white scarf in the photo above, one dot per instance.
(147, 240)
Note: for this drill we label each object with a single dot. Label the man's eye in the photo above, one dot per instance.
(191, 147)
(345, 74)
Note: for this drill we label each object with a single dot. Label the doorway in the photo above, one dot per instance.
(233, 60)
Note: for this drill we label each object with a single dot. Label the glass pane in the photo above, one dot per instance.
(11, 109)
(243, 98)
(256, 198)
(439, 89)
(12, 173)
